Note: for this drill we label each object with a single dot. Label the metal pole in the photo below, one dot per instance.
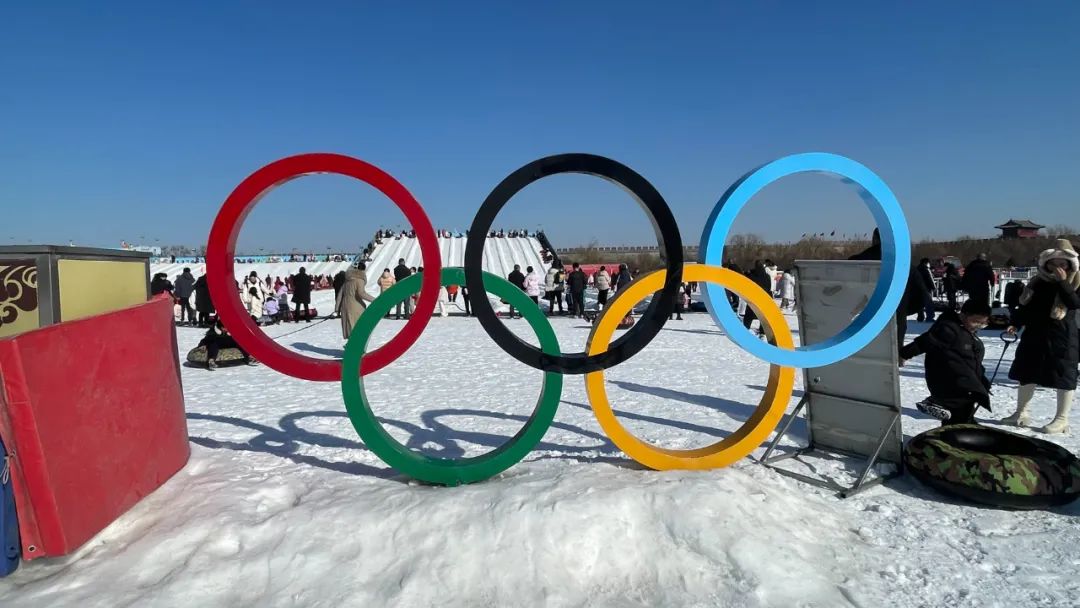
(784, 429)
(1008, 343)
(873, 457)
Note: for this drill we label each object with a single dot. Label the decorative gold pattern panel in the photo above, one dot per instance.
(18, 297)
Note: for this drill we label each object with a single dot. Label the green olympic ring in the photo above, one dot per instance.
(440, 470)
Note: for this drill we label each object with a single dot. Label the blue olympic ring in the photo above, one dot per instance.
(895, 259)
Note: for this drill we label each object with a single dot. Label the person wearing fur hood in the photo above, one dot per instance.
(1049, 350)
(253, 296)
(353, 299)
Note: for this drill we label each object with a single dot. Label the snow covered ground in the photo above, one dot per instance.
(281, 505)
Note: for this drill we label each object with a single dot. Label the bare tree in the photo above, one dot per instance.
(1061, 230)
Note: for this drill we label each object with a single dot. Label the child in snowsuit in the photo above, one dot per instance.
(954, 364)
(271, 311)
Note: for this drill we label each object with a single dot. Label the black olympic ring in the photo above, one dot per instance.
(667, 235)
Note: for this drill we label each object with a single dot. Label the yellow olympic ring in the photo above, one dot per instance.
(753, 432)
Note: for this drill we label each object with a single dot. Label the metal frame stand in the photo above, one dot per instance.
(860, 484)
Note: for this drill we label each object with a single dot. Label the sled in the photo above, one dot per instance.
(226, 357)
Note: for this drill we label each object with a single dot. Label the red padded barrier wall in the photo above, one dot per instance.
(94, 412)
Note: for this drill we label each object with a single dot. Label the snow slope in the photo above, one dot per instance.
(281, 504)
(500, 254)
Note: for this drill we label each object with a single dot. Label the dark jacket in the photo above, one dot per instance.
(1049, 349)
(339, 281)
(915, 295)
(925, 278)
(623, 280)
(401, 272)
(951, 280)
(954, 360)
(920, 288)
(978, 277)
(215, 334)
(517, 279)
(577, 281)
(185, 286)
(1012, 294)
(203, 303)
(873, 252)
(760, 276)
(301, 288)
(160, 285)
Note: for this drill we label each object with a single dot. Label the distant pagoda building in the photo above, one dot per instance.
(1019, 229)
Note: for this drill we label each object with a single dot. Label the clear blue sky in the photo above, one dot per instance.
(134, 120)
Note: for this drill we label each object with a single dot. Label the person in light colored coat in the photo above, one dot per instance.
(353, 299)
(602, 281)
(386, 280)
(532, 285)
(253, 294)
(551, 282)
(787, 289)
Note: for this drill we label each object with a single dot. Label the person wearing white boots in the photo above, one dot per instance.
(1049, 350)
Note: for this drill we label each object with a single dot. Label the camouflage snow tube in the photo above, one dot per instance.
(994, 467)
(225, 358)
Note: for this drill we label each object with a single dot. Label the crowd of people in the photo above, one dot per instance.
(978, 281)
(563, 291)
(766, 275)
(262, 259)
(385, 234)
(265, 299)
(1042, 310)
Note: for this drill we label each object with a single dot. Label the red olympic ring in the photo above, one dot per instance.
(222, 247)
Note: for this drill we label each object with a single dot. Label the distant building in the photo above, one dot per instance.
(1019, 229)
(126, 246)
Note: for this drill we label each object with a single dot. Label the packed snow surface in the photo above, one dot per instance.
(281, 504)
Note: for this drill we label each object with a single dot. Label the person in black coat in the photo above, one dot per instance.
(517, 279)
(623, 279)
(1049, 349)
(1013, 291)
(873, 252)
(161, 284)
(951, 284)
(576, 283)
(183, 288)
(203, 304)
(732, 297)
(954, 363)
(339, 281)
(979, 279)
(402, 272)
(302, 294)
(760, 276)
(924, 285)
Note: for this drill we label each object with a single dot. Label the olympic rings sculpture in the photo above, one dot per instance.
(600, 353)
